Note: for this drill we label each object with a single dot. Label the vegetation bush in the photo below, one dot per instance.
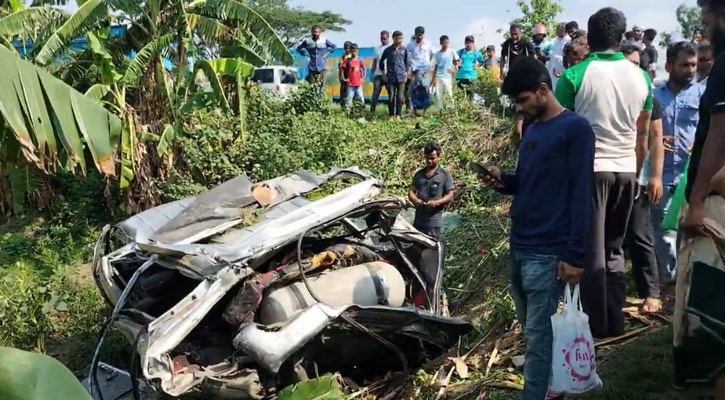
(488, 86)
(47, 300)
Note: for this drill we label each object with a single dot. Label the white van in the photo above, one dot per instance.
(276, 78)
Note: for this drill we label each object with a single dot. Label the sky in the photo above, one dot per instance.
(481, 18)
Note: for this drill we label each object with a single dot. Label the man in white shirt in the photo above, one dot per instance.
(555, 65)
(421, 53)
(445, 64)
(378, 83)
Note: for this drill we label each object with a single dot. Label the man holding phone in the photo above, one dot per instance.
(552, 205)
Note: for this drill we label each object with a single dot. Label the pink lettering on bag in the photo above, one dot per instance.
(579, 355)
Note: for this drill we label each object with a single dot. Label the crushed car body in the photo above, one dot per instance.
(249, 287)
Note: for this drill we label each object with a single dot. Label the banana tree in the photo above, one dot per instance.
(22, 22)
(48, 133)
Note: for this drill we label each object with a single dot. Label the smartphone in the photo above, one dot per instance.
(483, 171)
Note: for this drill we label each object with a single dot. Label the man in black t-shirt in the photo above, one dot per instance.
(515, 47)
(649, 54)
(430, 193)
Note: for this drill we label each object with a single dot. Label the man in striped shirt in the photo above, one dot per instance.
(616, 98)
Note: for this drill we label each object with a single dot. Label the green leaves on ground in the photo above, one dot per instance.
(32, 376)
(325, 388)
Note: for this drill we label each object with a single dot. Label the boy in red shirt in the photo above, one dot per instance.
(354, 75)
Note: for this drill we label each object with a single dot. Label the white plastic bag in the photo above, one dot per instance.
(574, 368)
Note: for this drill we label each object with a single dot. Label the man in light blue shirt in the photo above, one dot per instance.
(445, 64)
(680, 98)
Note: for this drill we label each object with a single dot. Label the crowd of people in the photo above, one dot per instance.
(605, 160)
(407, 71)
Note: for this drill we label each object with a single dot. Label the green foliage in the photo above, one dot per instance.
(488, 86)
(47, 300)
(324, 388)
(538, 12)
(293, 24)
(36, 377)
(209, 152)
(689, 18)
(90, 15)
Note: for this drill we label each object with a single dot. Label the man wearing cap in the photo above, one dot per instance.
(421, 53)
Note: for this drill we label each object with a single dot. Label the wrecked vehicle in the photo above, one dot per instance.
(250, 287)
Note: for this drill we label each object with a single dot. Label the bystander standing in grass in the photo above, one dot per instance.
(317, 48)
(491, 61)
(343, 85)
(616, 98)
(470, 59)
(421, 54)
(515, 48)
(552, 189)
(354, 76)
(378, 72)
(445, 63)
(431, 192)
(396, 62)
(640, 241)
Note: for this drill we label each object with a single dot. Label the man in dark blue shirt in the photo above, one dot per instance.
(552, 206)
(395, 64)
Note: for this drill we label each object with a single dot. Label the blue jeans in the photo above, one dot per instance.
(666, 243)
(353, 93)
(536, 292)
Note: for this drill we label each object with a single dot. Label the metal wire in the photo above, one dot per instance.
(93, 378)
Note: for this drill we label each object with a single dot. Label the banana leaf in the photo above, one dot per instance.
(232, 67)
(239, 15)
(27, 22)
(33, 376)
(42, 110)
(216, 85)
(90, 15)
